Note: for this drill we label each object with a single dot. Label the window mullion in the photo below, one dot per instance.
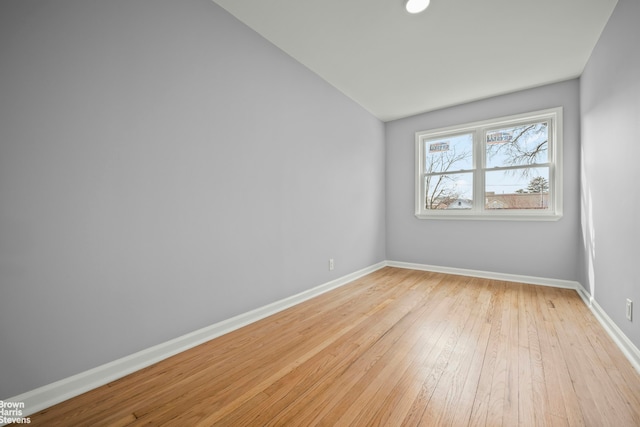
(478, 179)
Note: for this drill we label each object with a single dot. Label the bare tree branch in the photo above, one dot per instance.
(516, 151)
(440, 194)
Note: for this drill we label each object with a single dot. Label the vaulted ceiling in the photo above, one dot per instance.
(396, 65)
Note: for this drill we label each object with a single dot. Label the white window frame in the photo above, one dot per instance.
(478, 212)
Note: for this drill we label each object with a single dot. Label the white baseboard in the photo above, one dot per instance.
(59, 391)
(556, 283)
(623, 342)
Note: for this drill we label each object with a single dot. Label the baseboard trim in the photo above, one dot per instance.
(556, 283)
(59, 391)
(628, 348)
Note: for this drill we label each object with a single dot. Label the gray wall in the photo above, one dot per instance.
(542, 249)
(162, 168)
(610, 110)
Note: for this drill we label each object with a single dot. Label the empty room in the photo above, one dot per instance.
(349, 213)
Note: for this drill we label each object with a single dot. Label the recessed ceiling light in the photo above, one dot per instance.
(416, 6)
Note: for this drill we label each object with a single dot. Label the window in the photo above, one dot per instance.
(506, 168)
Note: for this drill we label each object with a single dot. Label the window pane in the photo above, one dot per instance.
(526, 188)
(453, 153)
(518, 145)
(452, 191)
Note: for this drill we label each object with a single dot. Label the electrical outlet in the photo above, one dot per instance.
(629, 310)
(330, 263)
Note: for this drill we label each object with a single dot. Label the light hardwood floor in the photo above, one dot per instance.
(397, 347)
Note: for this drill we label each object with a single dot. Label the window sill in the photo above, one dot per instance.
(473, 216)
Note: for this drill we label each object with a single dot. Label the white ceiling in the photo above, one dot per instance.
(396, 65)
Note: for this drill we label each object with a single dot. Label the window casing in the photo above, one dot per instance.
(508, 168)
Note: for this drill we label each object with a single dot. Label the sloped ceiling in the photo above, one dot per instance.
(396, 65)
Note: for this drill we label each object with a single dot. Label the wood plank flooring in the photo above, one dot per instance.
(395, 348)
